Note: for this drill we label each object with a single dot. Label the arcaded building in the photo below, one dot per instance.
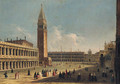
(66, 56)
(18, 54)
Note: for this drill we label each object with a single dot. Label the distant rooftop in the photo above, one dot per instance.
(23, 42)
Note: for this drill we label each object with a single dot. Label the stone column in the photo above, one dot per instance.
(8, 50)
(32, 63)
(8, 64)
(11, 52)
(35, 63)
(25, 64)
(15, 65)
(18, 52)
(29, 64)
(14, 52)
(23, 52)
(4, 65)
(11, 64)
(30, 52)
(20, 64)
(4, 51)
(26, 53)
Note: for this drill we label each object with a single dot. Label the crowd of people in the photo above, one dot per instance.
(105, 75)
(64, 75)
(37, 75)
(45, 73)
(67, 74)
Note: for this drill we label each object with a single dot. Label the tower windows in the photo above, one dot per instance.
(40, 26)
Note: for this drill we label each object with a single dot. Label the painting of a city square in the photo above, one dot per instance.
(59, 41)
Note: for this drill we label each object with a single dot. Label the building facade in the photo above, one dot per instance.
(66, 56)
(109, 54)
(17, 56)
(117, 57)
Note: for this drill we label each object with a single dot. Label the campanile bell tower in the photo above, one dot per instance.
(42, 37)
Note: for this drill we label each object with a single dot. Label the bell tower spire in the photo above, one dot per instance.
(42, 14)
(42, 23)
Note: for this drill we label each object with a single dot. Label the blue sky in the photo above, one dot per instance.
(72, 24)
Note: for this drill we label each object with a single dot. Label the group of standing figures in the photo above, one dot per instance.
(45, 73)
(66, 74)
(92, 77)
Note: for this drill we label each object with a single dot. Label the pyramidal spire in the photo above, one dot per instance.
(42, 14)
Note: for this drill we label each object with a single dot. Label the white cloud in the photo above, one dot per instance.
(57, 39)
(20, 32)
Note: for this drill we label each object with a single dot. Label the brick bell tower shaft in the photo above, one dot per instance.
(42, 36)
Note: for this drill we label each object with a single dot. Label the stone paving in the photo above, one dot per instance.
(25, 79)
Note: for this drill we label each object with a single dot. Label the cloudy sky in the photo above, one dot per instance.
(72, 24)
